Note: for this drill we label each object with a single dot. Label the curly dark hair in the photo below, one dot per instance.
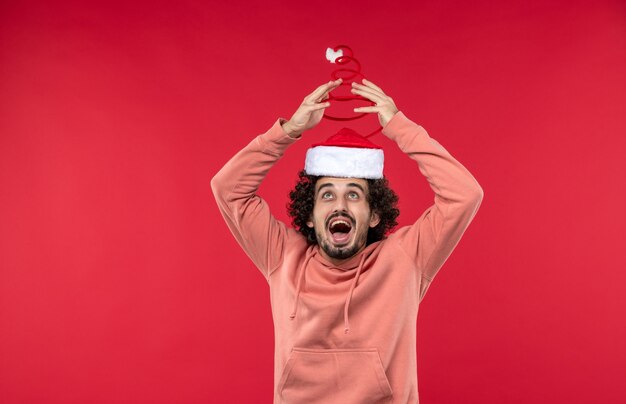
(380, 197)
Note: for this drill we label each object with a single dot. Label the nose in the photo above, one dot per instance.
(341, 205)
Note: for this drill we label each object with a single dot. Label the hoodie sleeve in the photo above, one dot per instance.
(432, 238)
(247, 215)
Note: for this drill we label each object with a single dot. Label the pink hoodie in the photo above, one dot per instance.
(347, 334)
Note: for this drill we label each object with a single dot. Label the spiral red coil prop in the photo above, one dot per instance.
(348, 75)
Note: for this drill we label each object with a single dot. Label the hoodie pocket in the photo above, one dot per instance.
(347, 376)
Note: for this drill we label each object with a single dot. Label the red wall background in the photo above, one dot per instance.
(120, 283)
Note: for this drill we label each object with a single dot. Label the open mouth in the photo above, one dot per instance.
(340, 230)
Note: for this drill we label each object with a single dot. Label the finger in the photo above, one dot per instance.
(368, 94)
(368, 91)
(371, 90)
(334, 85)
(322, 90)
(367, 109)
(370, 84)
(320, 106)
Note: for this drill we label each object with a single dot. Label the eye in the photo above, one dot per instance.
(327, 195)
(353, 195)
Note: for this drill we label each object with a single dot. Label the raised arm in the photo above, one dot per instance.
(246, 214)
(432, 238)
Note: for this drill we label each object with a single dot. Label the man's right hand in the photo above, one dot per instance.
(311, 110)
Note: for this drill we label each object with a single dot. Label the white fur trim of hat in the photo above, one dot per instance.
(345, 154)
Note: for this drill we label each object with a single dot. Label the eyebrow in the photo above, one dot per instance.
(328, 184)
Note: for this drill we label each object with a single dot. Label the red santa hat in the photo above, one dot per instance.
(345, 154)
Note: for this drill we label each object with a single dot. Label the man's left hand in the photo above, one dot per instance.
(385, 107)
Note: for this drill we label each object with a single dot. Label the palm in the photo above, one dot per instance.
(315, 118)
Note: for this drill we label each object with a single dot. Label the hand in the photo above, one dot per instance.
(385, 106)
(311, 110)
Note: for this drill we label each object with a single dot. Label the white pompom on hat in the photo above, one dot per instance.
(332, 55)
(345, 154)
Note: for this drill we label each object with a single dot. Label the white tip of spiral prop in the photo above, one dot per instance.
(331, 55)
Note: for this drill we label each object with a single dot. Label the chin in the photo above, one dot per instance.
(339, 251)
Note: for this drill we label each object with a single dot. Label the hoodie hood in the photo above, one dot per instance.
(355, 262)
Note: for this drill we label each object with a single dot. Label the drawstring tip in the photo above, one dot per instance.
(347, 330)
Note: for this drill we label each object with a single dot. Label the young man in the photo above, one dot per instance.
(345, 298)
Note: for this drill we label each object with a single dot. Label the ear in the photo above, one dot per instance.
(309, 223)
(374, 219)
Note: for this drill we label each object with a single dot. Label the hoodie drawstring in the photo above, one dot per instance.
(345, 309)
(309, 254)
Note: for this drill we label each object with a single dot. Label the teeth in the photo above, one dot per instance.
(340, 221)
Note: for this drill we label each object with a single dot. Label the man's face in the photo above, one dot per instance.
(341, 216)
